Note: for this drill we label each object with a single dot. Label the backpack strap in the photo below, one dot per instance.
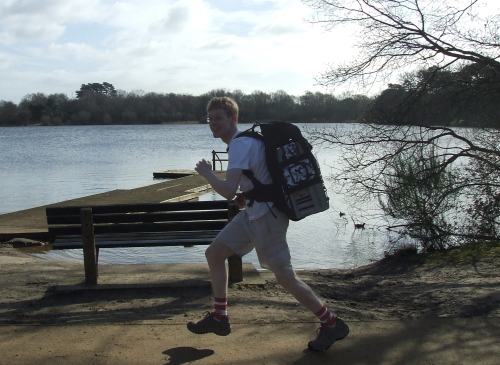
(260, 192)
(250, 132)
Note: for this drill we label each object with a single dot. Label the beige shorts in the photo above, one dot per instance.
(266, 234)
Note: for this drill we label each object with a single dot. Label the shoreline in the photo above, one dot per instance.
(406, 287)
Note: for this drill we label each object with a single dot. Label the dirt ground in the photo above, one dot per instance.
(390, 289)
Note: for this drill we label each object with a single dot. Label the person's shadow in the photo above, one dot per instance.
(182, 355)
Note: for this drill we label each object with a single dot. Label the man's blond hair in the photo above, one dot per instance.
(225, 103)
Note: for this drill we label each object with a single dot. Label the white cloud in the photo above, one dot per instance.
(34, 20)
(6, 60)
(184, 46)
(179, 17)
(63, 51)
(32, 32)
(273, 29)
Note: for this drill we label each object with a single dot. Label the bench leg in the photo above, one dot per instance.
(96, 262)
(89, 249)
(234, 263)
(235, 266)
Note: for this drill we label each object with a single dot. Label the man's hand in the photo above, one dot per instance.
(240, 200)
(204, 168)
(226, 188)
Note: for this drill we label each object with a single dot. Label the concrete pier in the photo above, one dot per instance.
(31, 223)
(173, 174)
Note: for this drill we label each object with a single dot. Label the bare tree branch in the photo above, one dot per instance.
(399, 33)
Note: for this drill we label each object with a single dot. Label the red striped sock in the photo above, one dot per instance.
(326, 317)
(220, 308)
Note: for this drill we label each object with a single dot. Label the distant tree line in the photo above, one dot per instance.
(468, 96)
(101, 104)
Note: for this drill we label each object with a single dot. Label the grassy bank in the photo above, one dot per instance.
(466, 254)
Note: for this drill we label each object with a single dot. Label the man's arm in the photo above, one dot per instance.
(226, 188)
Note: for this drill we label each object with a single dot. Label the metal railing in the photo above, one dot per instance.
(216, 158)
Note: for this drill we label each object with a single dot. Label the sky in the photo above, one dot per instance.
(163, 46)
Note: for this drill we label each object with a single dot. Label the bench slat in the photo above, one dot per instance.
(152, 207)
(136, 243)
(141, 217)
(142, 235)
(142, 239)
(148, 239)
(141, 227)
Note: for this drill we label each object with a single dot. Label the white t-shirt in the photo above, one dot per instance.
(248, 153)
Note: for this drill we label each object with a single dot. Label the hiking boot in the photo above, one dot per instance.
(328, 335)
(210, 325)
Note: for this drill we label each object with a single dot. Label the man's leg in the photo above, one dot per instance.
(217, 321)
(217, 254)
(332, 328)
(300, 290)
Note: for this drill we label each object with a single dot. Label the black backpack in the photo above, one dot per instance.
(297, 188)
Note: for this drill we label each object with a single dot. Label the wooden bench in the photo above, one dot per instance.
(139, 225)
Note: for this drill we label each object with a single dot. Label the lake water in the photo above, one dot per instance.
(45, 165)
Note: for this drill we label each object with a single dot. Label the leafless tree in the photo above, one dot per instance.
(437, 184)
(395, 35)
